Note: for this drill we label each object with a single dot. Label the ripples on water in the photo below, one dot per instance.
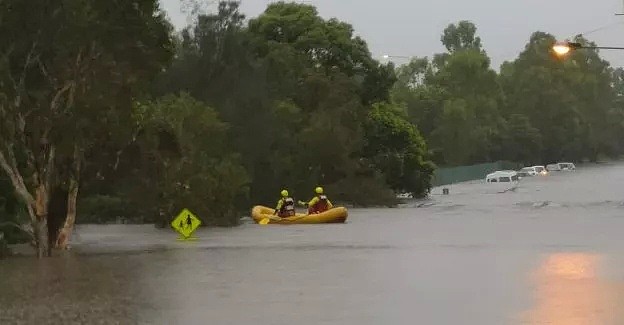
(548, 252)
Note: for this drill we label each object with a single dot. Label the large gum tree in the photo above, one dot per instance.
(69, 70)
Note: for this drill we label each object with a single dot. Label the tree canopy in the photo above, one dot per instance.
(296, 89)
(68, 69)
(539, 109)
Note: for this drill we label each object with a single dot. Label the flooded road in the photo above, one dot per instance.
(547, 252)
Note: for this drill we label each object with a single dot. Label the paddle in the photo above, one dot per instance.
(266, 220)
(290, 219)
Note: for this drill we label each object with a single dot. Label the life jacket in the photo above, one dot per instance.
(288, 207)
(320, 206)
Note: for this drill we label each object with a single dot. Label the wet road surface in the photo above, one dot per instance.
(546, 252)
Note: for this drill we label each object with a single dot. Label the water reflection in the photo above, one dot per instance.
(71, 290)
(571, 290)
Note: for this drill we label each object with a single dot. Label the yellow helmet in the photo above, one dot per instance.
(318, 190)
(284, 193)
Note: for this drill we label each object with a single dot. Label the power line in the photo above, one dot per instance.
(609, 25)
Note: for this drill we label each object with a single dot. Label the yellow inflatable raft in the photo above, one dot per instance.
(334, 215)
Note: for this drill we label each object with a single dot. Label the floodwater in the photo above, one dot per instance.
(549, 251)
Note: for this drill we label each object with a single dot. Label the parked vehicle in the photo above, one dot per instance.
(567, 166)
(553, 167)
(541, 170)
(528, 171)
(532, 171)
(502, 176)
(561, 166)
(522, 174)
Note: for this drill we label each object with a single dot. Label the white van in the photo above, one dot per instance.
(532, 171)
(502, 176)
(562, 166)
(566, 166)
(527, 171)
(553, 167)
(540, 170)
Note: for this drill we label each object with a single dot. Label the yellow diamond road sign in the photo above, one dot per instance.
(185, 223)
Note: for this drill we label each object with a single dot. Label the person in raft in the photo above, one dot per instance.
(319, 203)
(285, 206)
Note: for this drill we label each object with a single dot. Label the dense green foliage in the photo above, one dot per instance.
(540, 108)
(11, 216)
(234, 110)
(225, 113)
(298, 92)
(396, 149)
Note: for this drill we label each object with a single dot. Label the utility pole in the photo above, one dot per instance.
(621, 13)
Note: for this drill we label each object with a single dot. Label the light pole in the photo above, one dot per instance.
(565, 47)
(386, 56)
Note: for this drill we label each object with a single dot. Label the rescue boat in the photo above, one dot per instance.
(333, 215)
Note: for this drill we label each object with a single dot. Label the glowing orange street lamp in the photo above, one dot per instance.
(562, 48)
(565, 47)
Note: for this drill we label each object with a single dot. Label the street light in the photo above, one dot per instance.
(562, 48)
(565, 47)
(386, 56)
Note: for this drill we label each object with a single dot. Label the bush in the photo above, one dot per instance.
(362, 191)
(105, 209)
(187, 162)
(12, 216)
(397, 150)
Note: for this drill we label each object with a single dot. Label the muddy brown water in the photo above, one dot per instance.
(547, 252)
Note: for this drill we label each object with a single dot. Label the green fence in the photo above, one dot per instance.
(450, 175)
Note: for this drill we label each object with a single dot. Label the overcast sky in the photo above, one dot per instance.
(413, 27)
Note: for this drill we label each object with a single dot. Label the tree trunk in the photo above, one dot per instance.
(37, 206)
(66, 231)
(41, 223)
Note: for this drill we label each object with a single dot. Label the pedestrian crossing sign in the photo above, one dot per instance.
(185, 223)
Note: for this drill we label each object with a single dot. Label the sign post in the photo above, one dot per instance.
(185, 224)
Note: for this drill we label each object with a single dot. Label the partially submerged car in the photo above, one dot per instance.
(567, 166)
(532, 171)
(561, 166)
(527, 171)
(502, 176)
(541, 170)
